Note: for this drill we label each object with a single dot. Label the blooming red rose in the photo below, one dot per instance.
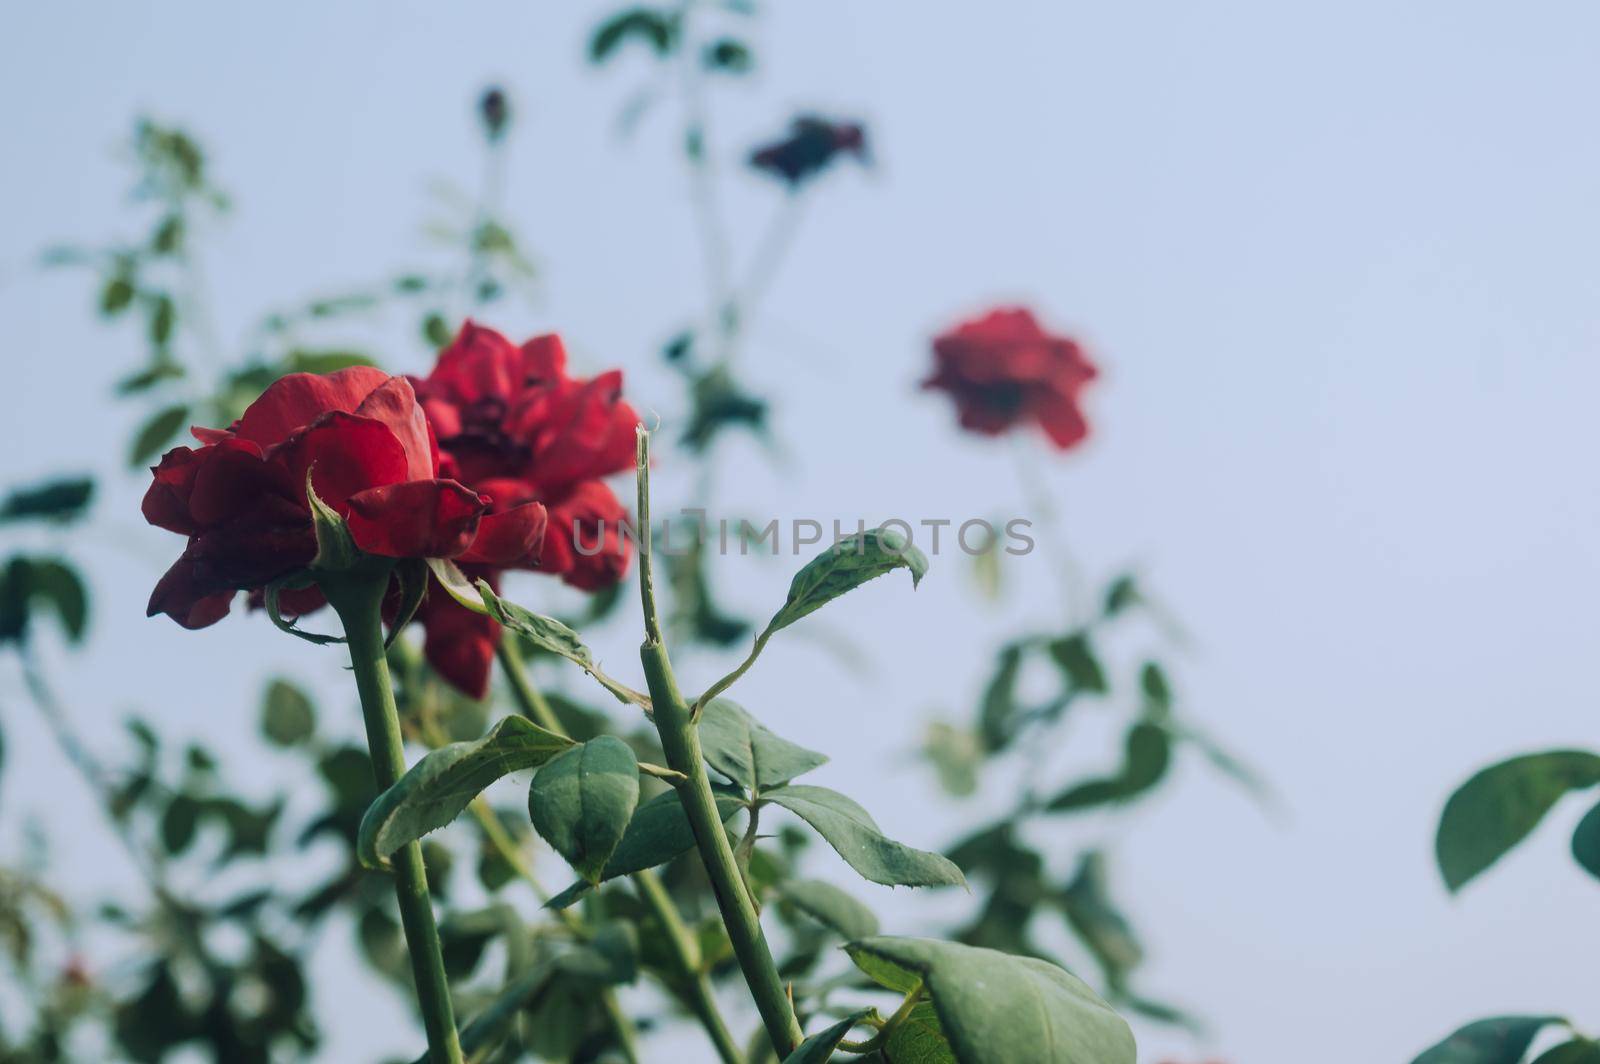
(512, 425)
(364, 441)
(1003, 370)
(812, 145)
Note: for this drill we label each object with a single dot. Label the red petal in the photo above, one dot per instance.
(180, 596)
(347, 454)
(479, 362)
(544, 360)
(577, 430)
(296, 400)
(1061, 420)
(166, 501)
(395, 404)
(232, 481)
(417, 519)
(509, 537)
(584, 542)
(460, 644)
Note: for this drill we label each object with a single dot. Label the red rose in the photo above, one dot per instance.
(241, 496)
(811, 146)
(1004, 370)
(512, 425)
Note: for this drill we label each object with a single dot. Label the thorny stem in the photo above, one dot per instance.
(510, 851)
(685, 949)
(680, 740)
(357, 597)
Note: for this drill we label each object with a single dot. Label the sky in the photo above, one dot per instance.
(1337, 263)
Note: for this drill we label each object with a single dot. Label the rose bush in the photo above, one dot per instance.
(1003, 370)
(360, 440)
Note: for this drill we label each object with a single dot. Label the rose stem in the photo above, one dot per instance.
(680, 740)
(685, 949)
(358, 599)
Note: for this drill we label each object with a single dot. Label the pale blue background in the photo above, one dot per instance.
(1339, 265)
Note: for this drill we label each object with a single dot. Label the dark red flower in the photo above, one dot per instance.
(512, 425)
(361, 435)
(812, 145)
(1003, 370)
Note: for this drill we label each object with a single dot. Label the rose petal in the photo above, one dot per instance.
(296, 400)
(510, 537)
(346, 454)
(479, 362)
(232, 481)
(416, 519)
(459, 644)
(189, 602)
(584, 542)
(576, 430)
(395, 404)
(166, 500)
(544, 359)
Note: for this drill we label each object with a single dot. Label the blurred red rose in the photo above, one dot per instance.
(241, 496)
(512, 425)
(1003, 370)
(811, 146)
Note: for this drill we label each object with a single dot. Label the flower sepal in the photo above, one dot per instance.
(336, 548)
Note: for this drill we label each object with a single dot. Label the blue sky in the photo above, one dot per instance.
(1338, 264)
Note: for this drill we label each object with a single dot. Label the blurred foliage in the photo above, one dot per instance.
(1016, 860)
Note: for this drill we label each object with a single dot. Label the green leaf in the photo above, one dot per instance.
(1577, 1051)
(1502, 1040)
(831, 906)
(156, 433)
(920, 1038)
(818, 1049)
(997, 715)
(116, 295)
(851, 831)
(1586, 842)
(742, 749)
(1076, 656)
(58, 585)
(163, 316)
(435, 331)
(546, 633)
(655, 28)
(1086, 903)
(304, 361)
(58, 500)
(1120, 595)
(845, 566)
(658, 832)
(1498, 807)
(178, 823)
(956, 755)
(1147, 753)
(728, 55)
(582, 800)
(438, 787)
(998, 1009)
(287, 716)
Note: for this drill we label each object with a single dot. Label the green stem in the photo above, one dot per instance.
(680, 740)
(358, 599)
(529, 698)
(685, 949)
